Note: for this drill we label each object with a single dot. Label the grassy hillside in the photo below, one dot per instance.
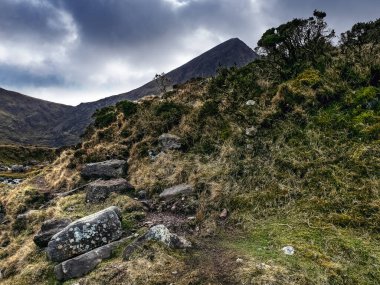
(11, 154)
(292, 153)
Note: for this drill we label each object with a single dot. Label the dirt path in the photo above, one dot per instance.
(209, 261)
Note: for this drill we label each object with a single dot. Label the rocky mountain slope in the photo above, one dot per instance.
(260, 175)
(25, 120)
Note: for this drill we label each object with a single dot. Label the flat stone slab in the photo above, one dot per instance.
(48, 229)
(86, 234)
(182, 189)
(106, 169)
(98, 191)
(83, 264)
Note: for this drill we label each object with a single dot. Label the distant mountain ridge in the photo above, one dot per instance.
(45, 123)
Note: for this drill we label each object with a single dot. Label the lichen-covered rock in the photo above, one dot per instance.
(98, 191)
(162, 234)
(83, 264)
(105, 169)
(86, 234)
(182, 189)
(169, 142)
(48, 229)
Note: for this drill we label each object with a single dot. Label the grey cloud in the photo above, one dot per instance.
(27, 20)
(119, 44)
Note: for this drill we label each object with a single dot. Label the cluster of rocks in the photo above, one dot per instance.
(10, 181)
(109, 180)
(80, 245)
(16, 168)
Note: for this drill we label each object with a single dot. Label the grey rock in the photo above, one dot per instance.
(250, 131)
(250, 103)
(48, 229)
(4, 168)
(169, 142)
(83, 264)
(161, 233)
(18, 168)
(86, 234)
(182, 189)
(142, 194)
(105, 169)
(98, 191)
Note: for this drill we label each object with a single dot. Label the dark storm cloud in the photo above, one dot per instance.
(110, 46)
(30, 19)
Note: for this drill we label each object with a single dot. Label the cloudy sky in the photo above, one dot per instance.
(73, 51)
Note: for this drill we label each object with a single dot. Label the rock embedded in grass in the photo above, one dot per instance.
(83, 264)
(86, 234)
(162, 234)
(106, 169)
(98, 191)
(178, 190)
(48, 229)
(169, 142)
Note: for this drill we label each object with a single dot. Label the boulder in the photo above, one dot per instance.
(105, 169)
(86, 234)
(169, 142)
(161, 233)
(18, 168)
(182, 189)
(3, 168)
(98, 191)
(48, 229)
(83, 264)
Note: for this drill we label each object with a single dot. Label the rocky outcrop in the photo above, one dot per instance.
(83, 264)
(161, 233)
(178, 190)
(48, 229)
(169, 142)
(86, 234)
(106, 169)
(98, 191)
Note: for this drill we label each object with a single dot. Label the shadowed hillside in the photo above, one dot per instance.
(26, 120)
